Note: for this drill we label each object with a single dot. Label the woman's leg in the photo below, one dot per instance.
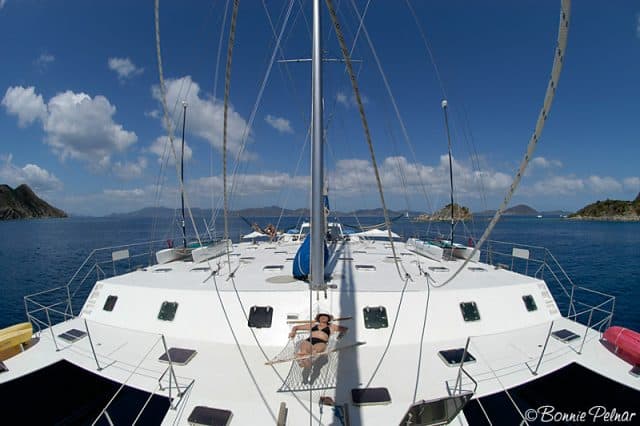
(304, 349)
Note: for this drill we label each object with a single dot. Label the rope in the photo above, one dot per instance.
(235, 339)
(393, 329)
(395, 105)
(424, 328)
(365, 125)
(165, 110)
(563, 32)
(227, 87)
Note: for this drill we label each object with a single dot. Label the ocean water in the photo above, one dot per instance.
(36, 255)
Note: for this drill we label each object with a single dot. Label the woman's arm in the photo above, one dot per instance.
(295, 329)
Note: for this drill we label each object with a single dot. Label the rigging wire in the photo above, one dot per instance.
(227, 87)
(240, 351)
(393, 103)
(215, 92)
(563, 32)
(165, 109)
(365, 125)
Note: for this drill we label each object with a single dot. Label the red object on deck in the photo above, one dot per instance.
(626, 343)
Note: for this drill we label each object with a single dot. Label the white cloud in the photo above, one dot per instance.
(205, 114)
(604, 184)
(350, 100)
(355, 176)
(82, 127)
(543, 163)
(632, 182)
(130, 170)
(124, 193)
(571, 185)
(280, 124)
(162, 148)
(124, 68)
(247, 184)
(638, 25)
(557, 185)
(2, 3)
(39, 179)
(76, 125)
(44, 60)
(25, 104)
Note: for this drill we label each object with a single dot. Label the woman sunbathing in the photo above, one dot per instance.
(320, 332)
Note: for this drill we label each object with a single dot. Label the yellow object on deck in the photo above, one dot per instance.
(11, 339)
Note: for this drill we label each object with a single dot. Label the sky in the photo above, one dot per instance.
(81, 117)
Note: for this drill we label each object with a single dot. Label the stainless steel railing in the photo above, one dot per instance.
(63, 302)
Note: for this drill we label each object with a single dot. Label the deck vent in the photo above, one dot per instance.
(201, 269)
(360, 251)
(565, 335)
(168, 311)
(375, 317)
(72, 335)
(161, 270)
(470, 311)
(280, 252)
(370, 396)
(260, 316)
(453, 357)
(110, 303)
(207, 416)
(529, 303)
(346, 258)
(365, 268)
(273, 268)
(477, 269)
(438, 268)
(178, 356)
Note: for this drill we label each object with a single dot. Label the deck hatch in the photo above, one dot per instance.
(375, 317)
(470, 311)
(370, 396)
(565, 335)
(453, 357)
(72, 335)
(207, 416)
(168, 311)
(260, 316)
(179, 356)
(529, 303)
(273, 268)
(365, 268)
(110, 303)
(436, 412)
(438, 268)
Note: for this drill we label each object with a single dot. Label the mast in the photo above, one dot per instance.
(446, 123)
(317, 160)
(184, 120)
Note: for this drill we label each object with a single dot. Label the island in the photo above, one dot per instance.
(23, 203)
(444, 214)
(610, 210)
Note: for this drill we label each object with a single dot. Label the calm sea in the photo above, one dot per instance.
(39, 254)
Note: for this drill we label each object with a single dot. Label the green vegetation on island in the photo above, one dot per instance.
(23, 203)
(444, 214)
(613, 210)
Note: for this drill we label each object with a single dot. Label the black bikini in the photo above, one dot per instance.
(314, 340)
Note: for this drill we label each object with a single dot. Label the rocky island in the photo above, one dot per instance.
(610, 210)
(23, 203)
(444, 214)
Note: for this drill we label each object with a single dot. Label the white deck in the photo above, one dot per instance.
(234, 376)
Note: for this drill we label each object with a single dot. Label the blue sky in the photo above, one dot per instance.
(80, 117)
